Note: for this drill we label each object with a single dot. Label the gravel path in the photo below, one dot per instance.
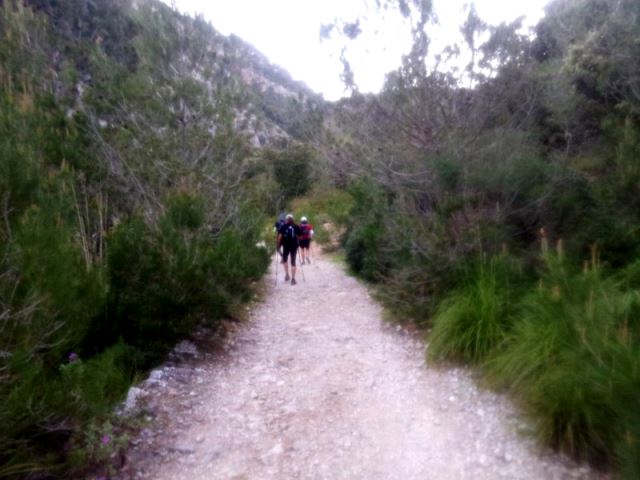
(317, 386)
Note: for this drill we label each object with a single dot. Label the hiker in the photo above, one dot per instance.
(288, 238)
(280, 221)
(305, 240)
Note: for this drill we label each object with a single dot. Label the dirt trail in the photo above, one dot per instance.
(317, 386)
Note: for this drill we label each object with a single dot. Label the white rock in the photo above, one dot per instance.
(134, 396)
(156, 375)
(186, 347)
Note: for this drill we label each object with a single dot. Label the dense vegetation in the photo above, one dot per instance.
(499, 208)
(131, 201)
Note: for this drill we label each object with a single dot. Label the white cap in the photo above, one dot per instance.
(289, 216)
(303, 219)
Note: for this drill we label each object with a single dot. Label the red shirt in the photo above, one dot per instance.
(306, 231)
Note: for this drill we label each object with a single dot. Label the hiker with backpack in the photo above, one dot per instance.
(288, 240)
(305, 240)
(280, 221)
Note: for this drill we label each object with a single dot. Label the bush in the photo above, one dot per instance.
(291, 169)
(76, 333)
(185, 212)
(476, 318)
(626, 379)
(363, 246)
(365, 238)
(47, 406)
(572, 360)
(49, 295)
(165, 280)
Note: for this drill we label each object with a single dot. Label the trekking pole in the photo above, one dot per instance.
(276, 239)
(302, 270)
(277, 260)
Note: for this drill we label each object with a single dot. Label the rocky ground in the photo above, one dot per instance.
(317, 386)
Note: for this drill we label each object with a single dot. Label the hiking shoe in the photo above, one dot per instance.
(308, 260)
(286, 278)
(293, 281)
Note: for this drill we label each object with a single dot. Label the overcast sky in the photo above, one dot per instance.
(287, 32)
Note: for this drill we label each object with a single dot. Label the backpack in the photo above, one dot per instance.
(289, 234)
(306, 229)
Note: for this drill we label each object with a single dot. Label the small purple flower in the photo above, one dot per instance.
(105, 439)
(73, 356)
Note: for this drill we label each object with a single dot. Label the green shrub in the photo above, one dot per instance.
(476, 318)
(185, 211)
(94, 385)
(291, 169)
(624, 395)
(629, 276)
(49, 293)
(166, 279)
(56, 300)
(448, 173)
(363, 248)
(366, 239)
(572, 361)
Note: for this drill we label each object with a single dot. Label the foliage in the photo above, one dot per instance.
(364, 241)
(327, 210)
(469, 173)
(127, 215)
(164, 281)
(291, 169)
(572, 361)
(131, 200)
(474, 321)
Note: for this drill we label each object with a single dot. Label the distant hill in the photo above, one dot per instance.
(268, 104)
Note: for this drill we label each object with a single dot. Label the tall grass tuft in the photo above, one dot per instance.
(572, 360)
(567, 348)
(475, 319)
